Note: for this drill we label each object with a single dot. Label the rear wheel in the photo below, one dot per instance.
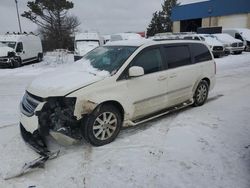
(103, 125)
(201, 93)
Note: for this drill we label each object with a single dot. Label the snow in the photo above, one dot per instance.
(207, 146)
(211, 40)
(226, 38)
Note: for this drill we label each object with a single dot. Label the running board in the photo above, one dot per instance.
(167, 111)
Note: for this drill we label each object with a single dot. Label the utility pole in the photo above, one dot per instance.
(18, 17)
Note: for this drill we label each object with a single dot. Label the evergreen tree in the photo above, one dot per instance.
(55, 25)
(156, 25)
(161, 21)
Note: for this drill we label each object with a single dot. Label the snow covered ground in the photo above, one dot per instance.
(208, 146)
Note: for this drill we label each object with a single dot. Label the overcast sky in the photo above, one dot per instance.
(105, 16)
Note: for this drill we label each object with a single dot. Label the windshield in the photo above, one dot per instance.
(109, 58)
(8, 43)
(85, 43)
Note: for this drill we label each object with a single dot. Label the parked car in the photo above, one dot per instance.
(216, 46)
(242, 34)
(85, 42)
(232, 45)
(121, 84)
(18, 49)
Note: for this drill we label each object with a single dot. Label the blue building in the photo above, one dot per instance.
(225, 13)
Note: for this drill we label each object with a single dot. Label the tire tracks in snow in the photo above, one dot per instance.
(7, 126)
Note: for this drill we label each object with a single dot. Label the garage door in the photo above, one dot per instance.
(233, 21)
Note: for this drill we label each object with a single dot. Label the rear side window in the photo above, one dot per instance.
(200, 53)
(177, 56)
(150, 60)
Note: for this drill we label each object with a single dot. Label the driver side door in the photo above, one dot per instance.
(147, 92)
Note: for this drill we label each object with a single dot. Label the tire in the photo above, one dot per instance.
(39, 57)
(201, 93)
(17, 63)
(99, 133)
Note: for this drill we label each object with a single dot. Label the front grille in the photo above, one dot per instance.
(218, 48)
(240, 44)
(235, 44)
(29, 104)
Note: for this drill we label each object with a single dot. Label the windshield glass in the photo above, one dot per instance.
(8, 43)
(85, 43)
(109, 58)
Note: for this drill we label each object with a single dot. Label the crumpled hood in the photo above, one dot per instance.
(63, 81)
(4, 51)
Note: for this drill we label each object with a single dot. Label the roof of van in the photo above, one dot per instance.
(13, 37)
(141, 42)
(84, 36)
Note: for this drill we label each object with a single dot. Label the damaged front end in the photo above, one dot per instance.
(55, 118)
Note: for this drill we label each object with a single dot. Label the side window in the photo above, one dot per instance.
(19, 47)
(150, 60)
(177, 56)
(200, 53)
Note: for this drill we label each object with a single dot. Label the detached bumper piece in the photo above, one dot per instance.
(35, 141)
(38, 144)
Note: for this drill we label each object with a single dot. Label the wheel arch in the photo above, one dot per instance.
(199, 80)
(114, 103)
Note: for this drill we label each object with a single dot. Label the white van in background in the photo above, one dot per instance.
(18, 49)
(85, 42)
(242, 34)
(125, 36)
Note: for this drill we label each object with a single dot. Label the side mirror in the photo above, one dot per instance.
(136, 71)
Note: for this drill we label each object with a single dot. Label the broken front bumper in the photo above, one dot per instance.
(35, 141)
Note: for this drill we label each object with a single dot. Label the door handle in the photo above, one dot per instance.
(173, 75)
(162, 77)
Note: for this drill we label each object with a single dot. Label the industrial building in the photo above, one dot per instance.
(213, 13)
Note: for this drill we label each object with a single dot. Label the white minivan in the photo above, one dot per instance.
(18, 49)
(120, 84)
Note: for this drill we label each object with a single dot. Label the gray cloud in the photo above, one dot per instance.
(108, 16)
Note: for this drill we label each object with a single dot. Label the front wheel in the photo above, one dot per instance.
(201, 93)
(17, 63)
(103, 125)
